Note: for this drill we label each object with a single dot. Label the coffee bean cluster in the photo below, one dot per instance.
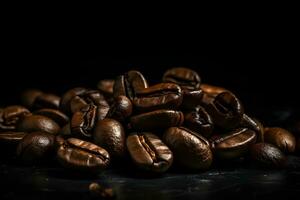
(177, 122)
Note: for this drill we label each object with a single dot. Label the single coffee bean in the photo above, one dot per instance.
(186, 78)
(191, 98)
(159, 96)
(199, 121)
(226, 110)
(10, 116)
(281, 138)
(254, 125)
(83, 121)
(35, 146)
(234, 144)
(127, 84)
(100, 192)
(110, 135)
(267, 155)
(34, 123)
(46, 100)
(106, 87)
(120, 109)
(68, 96)
(81, 155)
(210, 92)
(190, 149)
(158, 119)
(148, 152)
(54, 114)
(11, 138)
(28, 97)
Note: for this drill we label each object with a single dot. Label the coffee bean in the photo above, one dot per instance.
(148, 152)
(234, 144)
(158, 119)
(191, 99)
(110, 135)
(68, 96)
(160, 96)
(99, 191)
(81, 155)
(267, 155)
(28, 97)
(10, 116)
(35, 146)
(33, 123)
(120, 109)
(281, 138)
(106, 87)
(254, 125)
(11, 138)
(199, 121)
(190, 149)
(46, 100)
(54, 114)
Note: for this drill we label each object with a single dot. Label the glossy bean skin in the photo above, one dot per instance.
(34, 123)
(10, 117)
(54, 114)
(120, 109)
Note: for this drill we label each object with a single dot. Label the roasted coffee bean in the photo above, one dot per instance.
(267, 155)
(35, 146)
(81, 155)
(34, 123)
(100, 192)
(28, 97)
(126, 85)
(226, 110)
(83, 121)
(110, 135)
(11, 138)
(281, 138)
(46, 100)
(186, 78)
(210, 92)
(121, 109)
(158, 119)
(68, 96)
(10, 116)
(106, 87)
(148, 152)
(54, 114)
(190, 149)
(253, 124)
(199, 121)
(160, 96)
(191, 98)
(234, 144)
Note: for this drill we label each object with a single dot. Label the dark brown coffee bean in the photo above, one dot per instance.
(126, 85)
(191, 98)
(281, 138)
(254, 125)
(186, 78)
(160, 96)
(148, 152)
(68, 96)
(100, 192)
(83, 121)
(199, 121)
(34, 123)
(267, 155)
(226, 110)
(28, 97)
(120, 109)
(54, 114)
(158, 119)
(106, 87)
(10, 116)
(190, 149)
(210, 92)
(35, 146)
(46, 100)
(110, 135)
(234, 144)
(11, 138)
(81, 155)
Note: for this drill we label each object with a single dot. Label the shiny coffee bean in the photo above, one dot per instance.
(199, 121)
(210, 92)
(190, 149)
(120, 109)
(234, 144)
(83, 122)
(10, 116)
(186, 78)
(46, 100)
(34, 123)
(254, 125)
(281, 138)
(126, 85)
(226, 110)
(110, 135)
(68, 96)
(148, 152)
(35, 146)
(11, 138)
(267, 155)
(159, 96)
(59, 117)
(28, 97)
(158, 119)
(81, 155)
(106, 87)
(191, 98)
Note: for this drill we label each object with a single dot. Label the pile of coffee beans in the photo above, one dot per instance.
(177, 122)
